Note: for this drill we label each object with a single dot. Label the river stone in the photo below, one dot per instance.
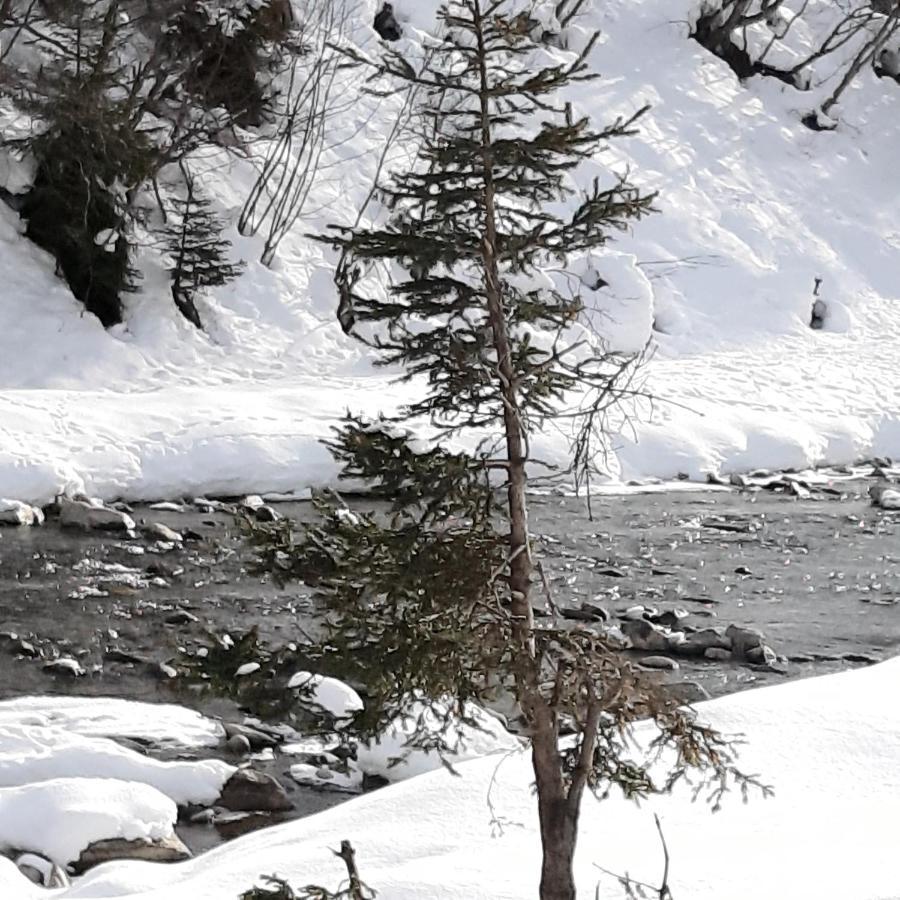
(699, 642)
(257, 739)
(328, 779)
(670, 618)
(14, 512)
(644, 635)
(861, 658)
(64, 666)
(688, 691)
(249, 791)
(266, 514)
(181, 617)
(92, 516)
(238, 744)
(169, 849)
(587, 612)
(743, 640)
(761, 656)
(889, 498)
(161, 532)
(659, 662)
(717, 654)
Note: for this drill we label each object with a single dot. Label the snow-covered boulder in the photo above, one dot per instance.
(328, 694)
(165, 724)
(33, 753)
(348, 780)
(61, 818)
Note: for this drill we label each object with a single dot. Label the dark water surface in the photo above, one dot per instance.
(819, 576)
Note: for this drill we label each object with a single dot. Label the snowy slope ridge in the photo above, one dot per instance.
(753, 207)
(830, 748)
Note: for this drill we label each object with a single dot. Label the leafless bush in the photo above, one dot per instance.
(282, 189)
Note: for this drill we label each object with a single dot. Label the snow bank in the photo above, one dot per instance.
(753, 208)
(61, 818)
(30, 753)
(165, 724)
(829, 746)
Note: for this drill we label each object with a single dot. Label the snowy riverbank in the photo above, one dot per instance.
(829, 747)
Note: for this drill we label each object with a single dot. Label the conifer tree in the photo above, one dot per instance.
(435, 602)
(198, 252)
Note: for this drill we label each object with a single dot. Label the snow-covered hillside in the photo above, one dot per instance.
(753, 207)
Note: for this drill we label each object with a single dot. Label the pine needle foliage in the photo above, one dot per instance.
(89, 159)
(433, 601)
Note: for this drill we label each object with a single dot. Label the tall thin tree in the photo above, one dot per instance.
(434, 603)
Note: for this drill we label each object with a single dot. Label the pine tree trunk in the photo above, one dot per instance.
(557, 816)
(558, 822)
(520, 557)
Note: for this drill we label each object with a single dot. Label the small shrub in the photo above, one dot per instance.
(198, 252)
(227, 52)
(90, 161)
(278, 889)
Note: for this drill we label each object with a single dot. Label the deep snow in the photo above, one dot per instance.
(830, 748)
(754, 204)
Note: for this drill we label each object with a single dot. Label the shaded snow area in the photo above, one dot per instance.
(829, 747)
(753, 207)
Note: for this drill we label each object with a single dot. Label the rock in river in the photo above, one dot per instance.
(90, 515)
(249, 791)
(644, 635)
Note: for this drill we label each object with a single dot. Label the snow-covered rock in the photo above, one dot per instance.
(328, 778)
(61, 818)
(246, 669)
(884, 496)
(333, 696)
(163, 724)
(162, 532)
(34, 753)
(167, 849)
(65, 665)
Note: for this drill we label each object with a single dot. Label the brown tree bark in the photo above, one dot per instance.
(558, 817)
